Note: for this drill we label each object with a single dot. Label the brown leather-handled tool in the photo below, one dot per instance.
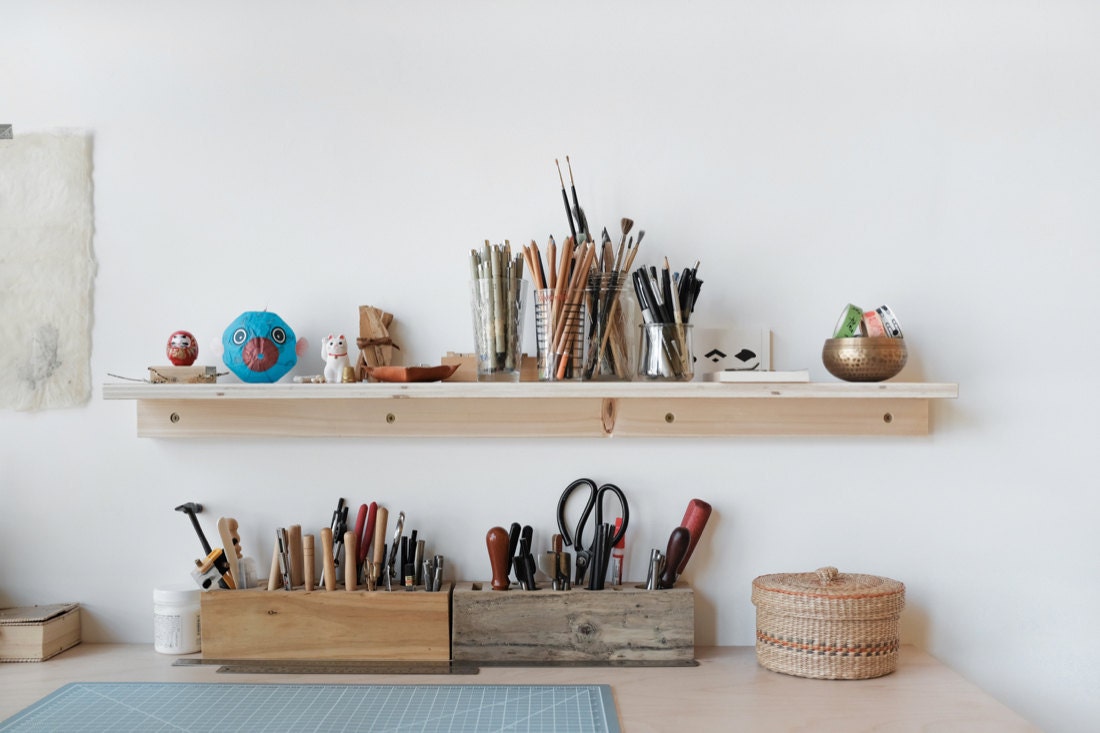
(695, 519)
(496, 540)
(678, 543)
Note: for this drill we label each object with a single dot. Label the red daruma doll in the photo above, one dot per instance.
(182, 348)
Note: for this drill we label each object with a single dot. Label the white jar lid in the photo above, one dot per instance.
(176, 593)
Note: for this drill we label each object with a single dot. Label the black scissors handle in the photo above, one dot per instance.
(622, 503)
(568, 538)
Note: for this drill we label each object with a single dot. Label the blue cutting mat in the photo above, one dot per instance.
(222, 707)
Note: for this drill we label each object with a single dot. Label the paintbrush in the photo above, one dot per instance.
(627, 225)
(578, 212)
(565, 200)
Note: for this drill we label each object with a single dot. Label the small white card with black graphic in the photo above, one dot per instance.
(733, 349)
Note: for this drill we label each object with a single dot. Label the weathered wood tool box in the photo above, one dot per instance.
(319, 624)
(620, 623)
(36, 633)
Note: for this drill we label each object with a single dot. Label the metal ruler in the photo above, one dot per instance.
(322, 666)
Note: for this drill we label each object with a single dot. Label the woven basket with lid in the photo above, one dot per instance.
(827, 624)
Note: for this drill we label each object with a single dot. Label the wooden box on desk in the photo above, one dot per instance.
(319, 624)
(36, 633)
(620, 623)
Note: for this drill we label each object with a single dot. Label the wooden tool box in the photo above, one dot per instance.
(36, 633)
(620, 623)
(319, 624)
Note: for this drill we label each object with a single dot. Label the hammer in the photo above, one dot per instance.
(191, 509)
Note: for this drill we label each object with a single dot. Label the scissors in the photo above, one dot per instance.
(585, 555)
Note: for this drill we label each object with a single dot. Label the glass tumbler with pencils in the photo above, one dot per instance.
(559, 333)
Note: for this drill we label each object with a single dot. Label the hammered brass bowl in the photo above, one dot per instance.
(864, 359)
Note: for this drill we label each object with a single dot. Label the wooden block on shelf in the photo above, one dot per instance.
(621, 623)
(36, 633)
(195, 374)
(467, 367)
(349, 625)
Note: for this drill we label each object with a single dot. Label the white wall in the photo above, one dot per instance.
(311, 157)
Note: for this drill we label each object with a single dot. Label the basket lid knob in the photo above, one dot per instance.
(827, 574)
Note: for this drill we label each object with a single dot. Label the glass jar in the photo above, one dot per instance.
(610, 329)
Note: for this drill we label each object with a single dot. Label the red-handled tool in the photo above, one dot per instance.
(695, 519)
(360, 526)
(367, 534)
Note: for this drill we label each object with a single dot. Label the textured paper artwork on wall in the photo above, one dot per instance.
(46, 270)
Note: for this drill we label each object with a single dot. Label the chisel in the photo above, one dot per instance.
(695, 519)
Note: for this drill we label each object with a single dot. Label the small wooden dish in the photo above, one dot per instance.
(411, 374)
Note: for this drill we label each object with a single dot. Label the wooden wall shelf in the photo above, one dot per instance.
(531, 409)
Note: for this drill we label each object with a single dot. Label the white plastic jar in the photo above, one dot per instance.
(176, 619)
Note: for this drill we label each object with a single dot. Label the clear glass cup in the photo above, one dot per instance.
(665, 352)
(499, 310)
(609, 334)
(559, 336)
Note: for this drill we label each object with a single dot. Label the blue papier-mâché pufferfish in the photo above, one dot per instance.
(260, 347)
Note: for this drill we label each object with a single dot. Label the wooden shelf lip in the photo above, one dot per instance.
(530, 409)
(534, 390)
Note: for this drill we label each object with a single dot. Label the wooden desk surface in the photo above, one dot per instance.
(727, 689)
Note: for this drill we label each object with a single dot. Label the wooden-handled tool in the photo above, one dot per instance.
(678, 543)
(695, 519)
(273, 574)
(231, 546)
(379, 538)
(328, 562)
(351, 552)
(496, 540)
(294, 547)
(307, 559)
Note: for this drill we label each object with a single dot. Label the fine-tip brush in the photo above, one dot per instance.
(578, 212)
(565, 200)
(633, 252)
